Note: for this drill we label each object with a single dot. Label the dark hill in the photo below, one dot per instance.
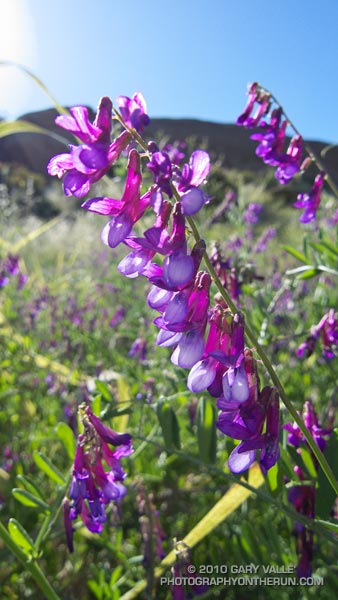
(230, 142)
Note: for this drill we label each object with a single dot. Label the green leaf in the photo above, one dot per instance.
(29, 486)
(20, 536)
(305, 272)
(326, 247)
(328, 524)
(308, 462)
(66, 435)
(325, 495)
(104, 389)
(295, 253)
(206, 430)
(169, 424)
(11, 127)
(45, 465)
(28, 499)
(274, 479)
(38, 82)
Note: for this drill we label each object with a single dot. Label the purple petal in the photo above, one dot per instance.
(192, 201)
(117, 230)
(103, 206)
(76, 184)
(240, 461)
(158, 298)
(133, 264)
(235, 385)
(60, 164)
(189, 350)
(201, 375)
(178, 269)
(166, 339)
(176, 310)
(200, 166)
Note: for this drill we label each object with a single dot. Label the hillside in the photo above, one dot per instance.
(229, 142)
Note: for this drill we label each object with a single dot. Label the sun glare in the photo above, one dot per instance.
(17, 44)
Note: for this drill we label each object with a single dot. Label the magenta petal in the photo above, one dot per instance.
(241, 461)
(200, 166)
(76, 184)
(103, 206)
(116, 230)
(60, 164)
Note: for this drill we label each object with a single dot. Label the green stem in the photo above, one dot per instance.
(265, 360)
(312, 154)
(249, 333)
(30, 565)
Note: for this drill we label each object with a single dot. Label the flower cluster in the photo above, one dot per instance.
(327, 331)
(10, 267)
(258, 113)
(93, 487)
(205, 339)
(303, 496)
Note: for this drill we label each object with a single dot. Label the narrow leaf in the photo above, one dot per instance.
(206, 430)
(295, 253)
(45, 465)
(325, 495)
(169, 424)
(12, 127)
(20, 536)
(28, 499)
(66, 435)
(29, 486)
(38, 81)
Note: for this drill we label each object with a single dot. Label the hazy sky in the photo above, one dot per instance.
(190, 58)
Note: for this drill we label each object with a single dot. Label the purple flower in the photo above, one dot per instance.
(125, 212)
(93, 487)
(256, 95)
(87, 163)
(193, 175)
(290, 162)
(252, 212)
(310, 202)
(327, 331)
(160, 166)
(271, 139)
(134, 111)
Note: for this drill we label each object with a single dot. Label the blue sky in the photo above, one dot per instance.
(189, 58)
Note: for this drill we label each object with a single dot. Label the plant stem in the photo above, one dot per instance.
(312, 154)
(30, 565)
(249, 333)
(265, 360)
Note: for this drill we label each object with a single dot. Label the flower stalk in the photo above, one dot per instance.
(248, 331)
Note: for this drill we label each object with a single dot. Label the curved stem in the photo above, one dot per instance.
(249, 333)
(312, 154)
(30, 565)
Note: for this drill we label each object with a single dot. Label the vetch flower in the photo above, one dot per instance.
(310, 202)
(88, 162)
(134, 111)
(125, 212)
(92, 486)
(193, 175)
